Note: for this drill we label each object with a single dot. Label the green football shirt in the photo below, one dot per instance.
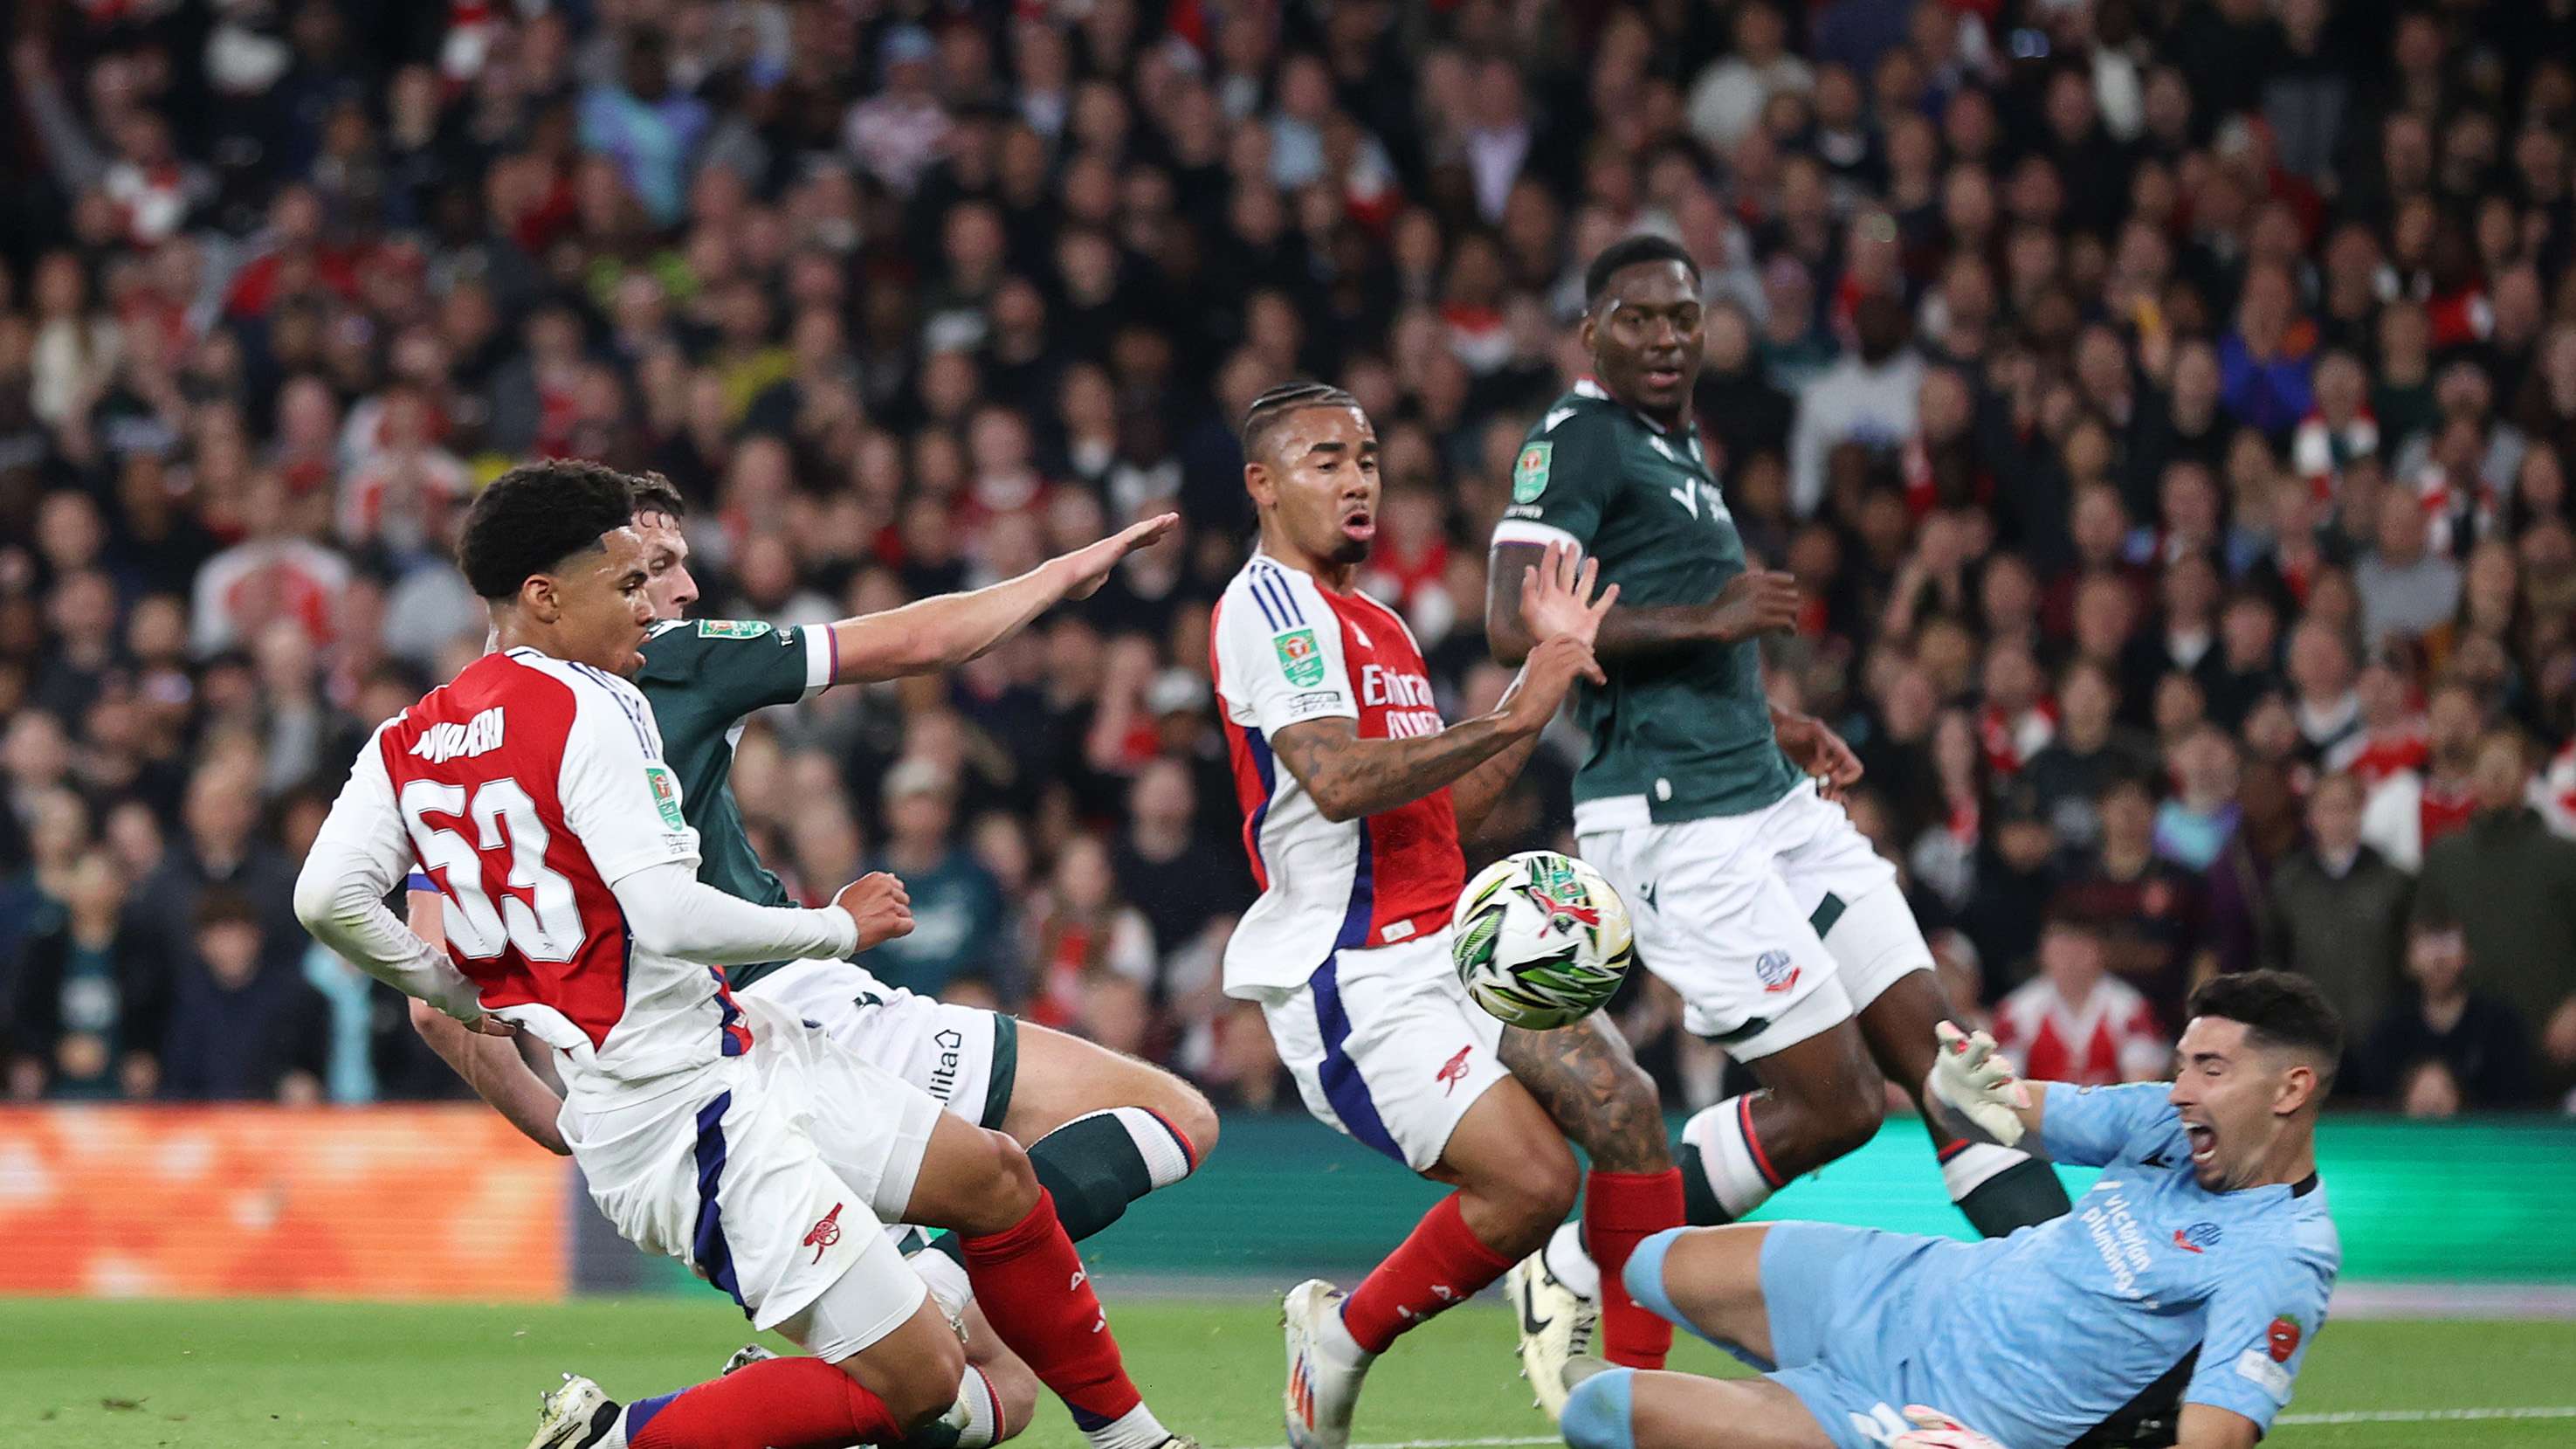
(702, 677)
(1681, 737)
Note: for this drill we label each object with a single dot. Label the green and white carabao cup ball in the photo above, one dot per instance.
(1540, 940)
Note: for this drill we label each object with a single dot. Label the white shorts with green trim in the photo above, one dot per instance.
(1773, 926)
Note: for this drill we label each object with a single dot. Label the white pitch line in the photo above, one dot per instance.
(2355, 1416)
(2429, 1416)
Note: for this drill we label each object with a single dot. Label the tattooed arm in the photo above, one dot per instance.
(1480, 789)
(1351, 777)
(1591, 1085)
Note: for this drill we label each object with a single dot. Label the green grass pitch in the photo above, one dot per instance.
(273, 1375)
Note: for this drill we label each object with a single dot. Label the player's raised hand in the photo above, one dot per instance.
(880, 905)
(1557, 597)
(1089, 565)
(1545, 677)
(1936, 1430)
(1754, 603)
(1972, 1080)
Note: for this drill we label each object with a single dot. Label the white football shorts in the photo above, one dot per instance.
(1386, 1047)
(1773, 926)
(965, 1057)
(769, 1173)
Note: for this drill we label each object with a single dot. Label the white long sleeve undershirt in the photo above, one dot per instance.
(673, 913)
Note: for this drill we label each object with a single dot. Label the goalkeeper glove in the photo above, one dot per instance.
(1936, 1430)
(1973, 1081)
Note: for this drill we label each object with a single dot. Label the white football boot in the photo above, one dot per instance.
(1556, 1326)
(1324, 1368)
(574, 1415)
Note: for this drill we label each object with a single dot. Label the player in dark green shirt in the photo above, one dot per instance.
(1712, 811)
(1101, 1129)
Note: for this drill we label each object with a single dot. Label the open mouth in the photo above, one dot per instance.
(2204, 1143)
(1663, 376)
(1359, 526)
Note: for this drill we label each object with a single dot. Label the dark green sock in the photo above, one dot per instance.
(2025, 1193)
(1094, 1168)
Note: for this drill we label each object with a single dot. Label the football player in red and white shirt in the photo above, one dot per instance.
(1352, 790)
(532, 791)
(2075, 1021)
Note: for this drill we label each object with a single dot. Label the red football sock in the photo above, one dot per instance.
(1619, 1210)
(1034, 1289)
(1439, 1265)
(779, 1403)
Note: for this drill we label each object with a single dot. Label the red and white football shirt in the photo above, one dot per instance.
(1288, 650)
(2109, 1037)
(527, 788)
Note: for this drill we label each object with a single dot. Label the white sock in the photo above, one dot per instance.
(1726, 1158)
(1335, 1338)
(1135, 1429)
(947, 1281)
(1977, 1164)
(983, 1411)
(615, 1438)
(1571, 1262)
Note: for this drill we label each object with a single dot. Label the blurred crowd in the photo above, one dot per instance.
(2167, 406)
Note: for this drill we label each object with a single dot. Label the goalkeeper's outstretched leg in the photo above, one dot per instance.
(1710, 1281)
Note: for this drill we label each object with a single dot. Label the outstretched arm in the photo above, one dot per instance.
(1751, 604)
(945, 631)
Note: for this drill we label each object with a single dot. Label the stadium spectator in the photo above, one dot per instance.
(243, 1028)
(2241, 878)
(2337, 907)
(2411, 808)
(2506, 880)
(2446, 1048)
(2077, 1020)
(2152, 914)
(86, 1008)
(1176, 876)
(959, 943)
(220, 848)
(1093, 954)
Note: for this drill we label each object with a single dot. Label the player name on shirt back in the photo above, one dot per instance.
(452, 740)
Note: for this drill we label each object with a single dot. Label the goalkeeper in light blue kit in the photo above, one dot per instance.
(2174, 1305)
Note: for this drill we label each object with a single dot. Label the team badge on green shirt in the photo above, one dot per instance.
(731, 628)
(1300, 658)
(1529, 475)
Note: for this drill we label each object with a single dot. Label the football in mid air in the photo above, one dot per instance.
(1540, 939)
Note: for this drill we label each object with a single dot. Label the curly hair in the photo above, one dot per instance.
(532, 518)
